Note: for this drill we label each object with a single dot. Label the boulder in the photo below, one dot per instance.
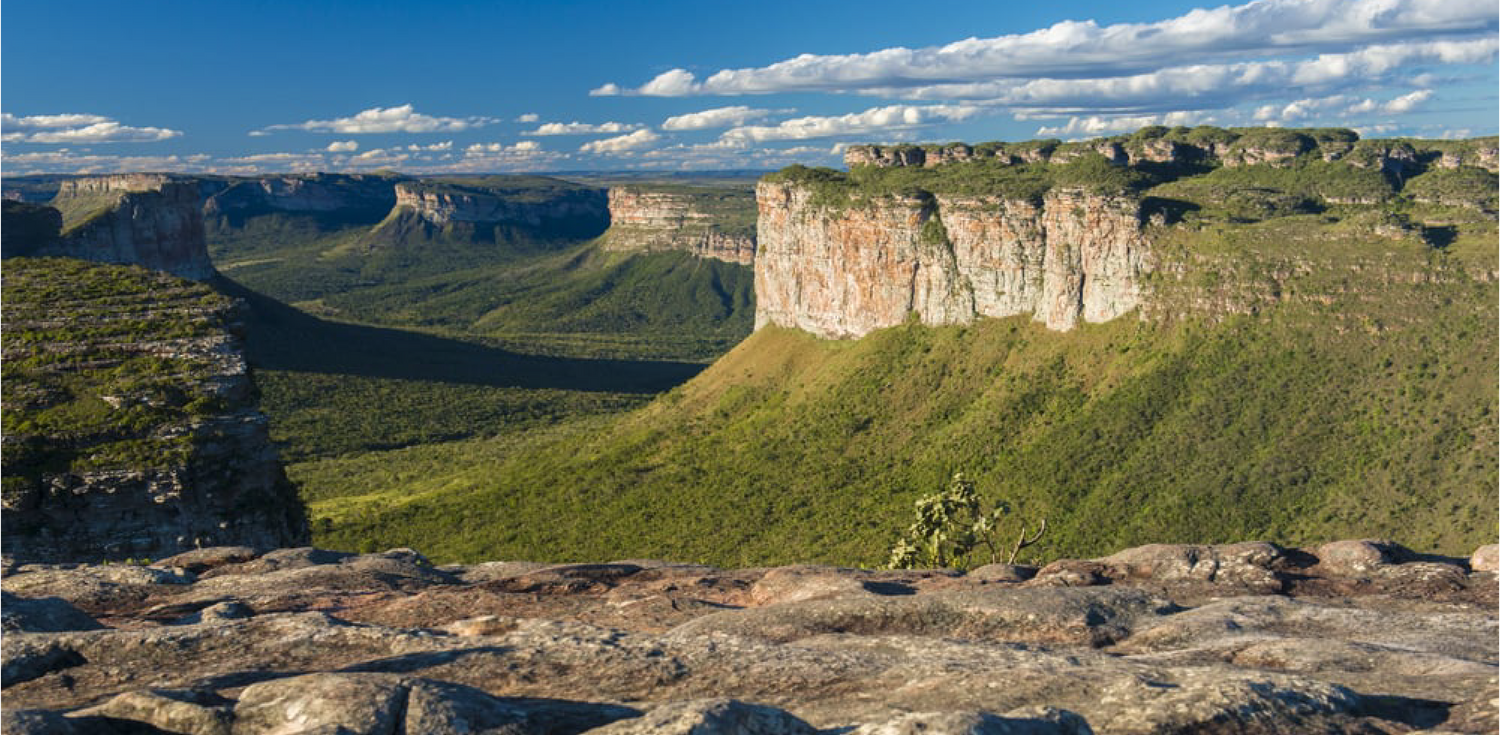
(1355, 557)
(1030, 721)
(180, 712)
(798, 583)
(711, 717)
(199, 561)
(1485, 559)
(367, 704)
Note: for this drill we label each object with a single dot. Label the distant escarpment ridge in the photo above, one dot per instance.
(151, 220)
(1089, 231)
(709, 222)
(496, 209)
(130, 419)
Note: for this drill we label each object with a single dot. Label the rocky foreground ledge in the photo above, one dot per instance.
(1353, 636)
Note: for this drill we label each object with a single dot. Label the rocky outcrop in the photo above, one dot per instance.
(1239, 638)
(845, 271)
(130, 421)
(709, 223)
(150, 220)
(1204, 145)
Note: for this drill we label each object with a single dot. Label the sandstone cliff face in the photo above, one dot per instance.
(648, 221)
(149, 220)
(130, 420)
(843, 272)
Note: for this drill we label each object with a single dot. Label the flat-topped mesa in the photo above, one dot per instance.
(355, 196)
(1204, 145)
(844, 272)
(150, 220)
(445, 206)
(513, 211)
(709, 223)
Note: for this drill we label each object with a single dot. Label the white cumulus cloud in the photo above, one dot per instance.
(399, 119)
(529, 117)
(1084, 48)
(343, 146)
(578, 128)
(1097, 125)
(718, 117)
(621, 144)
(82, 129)
(873, 121)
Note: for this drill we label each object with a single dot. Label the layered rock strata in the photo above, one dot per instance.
(1354, 636)
(702, 223)
(130, 421)
(845, 271)
(150, 220)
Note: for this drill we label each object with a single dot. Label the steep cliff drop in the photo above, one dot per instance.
(151, 220)
(130, 425)
(843, 272)
(1072, 232)
(708, 222)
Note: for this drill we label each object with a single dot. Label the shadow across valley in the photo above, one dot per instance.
(280, 337)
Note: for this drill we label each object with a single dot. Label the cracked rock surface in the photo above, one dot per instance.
(1358, 636)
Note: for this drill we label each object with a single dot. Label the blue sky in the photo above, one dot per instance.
(246, 87)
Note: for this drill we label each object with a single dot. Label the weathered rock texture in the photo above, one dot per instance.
(844, 271)
(130, 421)
(154, 221)
(1249, 638)
(709, 223)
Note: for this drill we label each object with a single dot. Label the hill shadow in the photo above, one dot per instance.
(281, 337)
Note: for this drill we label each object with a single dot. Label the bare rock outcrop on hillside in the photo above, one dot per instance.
(1161, 639)
(150, 220)
(131, 427)
(846, 271)
(699, 222)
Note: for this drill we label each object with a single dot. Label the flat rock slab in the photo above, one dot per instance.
(1352, 636)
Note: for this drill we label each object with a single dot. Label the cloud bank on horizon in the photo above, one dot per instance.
(1379, 66)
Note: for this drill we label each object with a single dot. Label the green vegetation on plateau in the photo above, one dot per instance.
(84, 389)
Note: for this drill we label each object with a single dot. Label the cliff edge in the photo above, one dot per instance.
(151, 220)
(1074, 232)
(716, 223)
(130, 424)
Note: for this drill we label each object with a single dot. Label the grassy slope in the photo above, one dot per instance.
(1372, 413)
(1361, 404)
